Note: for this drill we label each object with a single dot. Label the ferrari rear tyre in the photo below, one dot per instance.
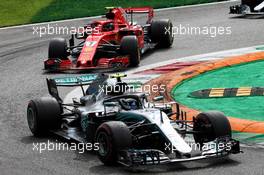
(112, 137)
(58, 49)
(210, 125)
(161, 32)
(43, 114)
(129, 46)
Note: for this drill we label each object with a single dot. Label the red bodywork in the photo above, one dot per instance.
(100, 35)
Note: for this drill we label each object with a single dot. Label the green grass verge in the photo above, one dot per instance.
(242, 75)
(15, 12)
(249, 138)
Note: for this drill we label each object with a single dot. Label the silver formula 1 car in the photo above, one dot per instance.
(128, 128)
(248, 7)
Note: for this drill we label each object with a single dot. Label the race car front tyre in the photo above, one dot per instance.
(129, 46)
(58, 49)
(161, 32)
(43, 114)
(112, 137)
(210, 125)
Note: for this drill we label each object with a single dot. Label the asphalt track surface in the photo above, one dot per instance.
(22, 78)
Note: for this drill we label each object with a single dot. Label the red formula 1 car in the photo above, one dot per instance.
(115, 42)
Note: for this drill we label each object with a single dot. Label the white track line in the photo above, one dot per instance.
(93, 17)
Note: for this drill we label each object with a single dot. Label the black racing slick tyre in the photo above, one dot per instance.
(211, 125)
(161, 32)
(43, 114)
(58, 49)
(112, 137)
(129, 46)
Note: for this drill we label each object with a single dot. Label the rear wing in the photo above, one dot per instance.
(119, 14)
(148, 10)
(75, 81)
(93, 80)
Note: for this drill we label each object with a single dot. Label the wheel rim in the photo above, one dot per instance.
(31, 118)
(103, 144)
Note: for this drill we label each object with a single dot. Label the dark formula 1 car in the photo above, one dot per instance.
(128, 129)
(115, 42)
(248, 7)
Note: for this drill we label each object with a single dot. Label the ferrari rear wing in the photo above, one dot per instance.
(139, 10)
(148, 10)
(93, 80)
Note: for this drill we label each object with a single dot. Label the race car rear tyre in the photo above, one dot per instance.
(209, 126)
(58, 49)
(161, 32)
(43, 114)
(129, 46)
(112, 137)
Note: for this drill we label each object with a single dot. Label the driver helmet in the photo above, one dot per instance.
(109, 27)
(132, 103)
